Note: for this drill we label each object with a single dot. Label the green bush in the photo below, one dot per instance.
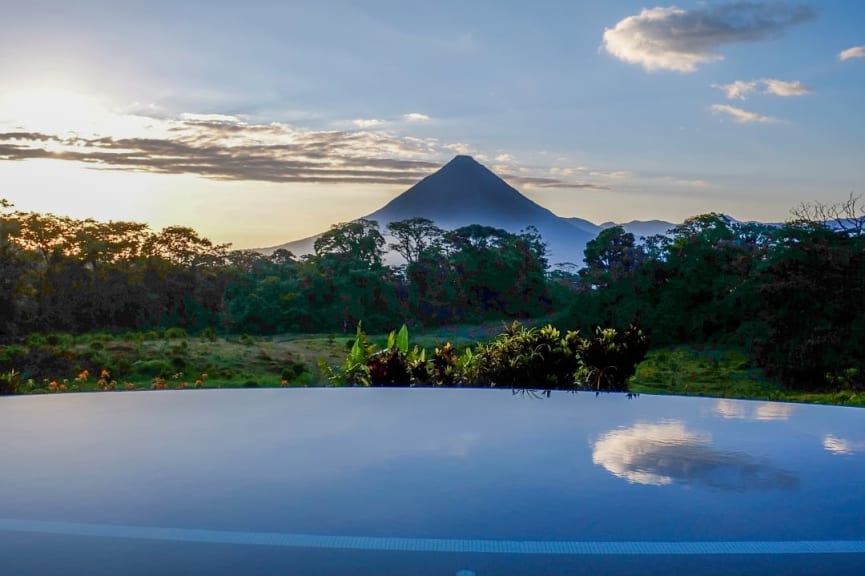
(293, 370)
(10, 382)
(175, 333)
(526, 358)
(608, 359)
(444, 366)
(153, 368)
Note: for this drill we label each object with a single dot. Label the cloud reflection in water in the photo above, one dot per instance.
(738, 410)
(667, 453)
(843, 446)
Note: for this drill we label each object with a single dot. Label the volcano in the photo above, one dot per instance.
(465, 192)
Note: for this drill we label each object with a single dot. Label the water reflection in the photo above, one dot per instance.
(842, 446)
(738, 410)
(661, 454)
(730, 409)
(773, 411)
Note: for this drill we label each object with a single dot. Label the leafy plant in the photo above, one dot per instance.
(10, 382)
(608, 359)
(526, 358)
(354, 370)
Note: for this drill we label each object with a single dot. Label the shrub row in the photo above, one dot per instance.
(520, 357)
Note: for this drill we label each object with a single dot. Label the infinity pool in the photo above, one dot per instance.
(428, 482)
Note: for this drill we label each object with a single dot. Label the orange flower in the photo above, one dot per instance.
(53, 386)
(62, 386)
(130, 386)
(104, 374)
(283, 382)
(199, 383)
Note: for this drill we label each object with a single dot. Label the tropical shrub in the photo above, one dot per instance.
(519, 358)
(526, 358)
(608, 359)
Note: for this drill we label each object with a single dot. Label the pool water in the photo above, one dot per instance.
(422, 481)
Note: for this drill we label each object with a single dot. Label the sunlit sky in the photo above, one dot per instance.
(260, 122)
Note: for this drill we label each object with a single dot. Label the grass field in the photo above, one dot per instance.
(173, 359)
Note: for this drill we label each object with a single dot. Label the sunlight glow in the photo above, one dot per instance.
(60, 110)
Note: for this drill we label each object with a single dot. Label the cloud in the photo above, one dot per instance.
(368, 122)
(667, 453)
(415, 117)
(742, 116)
(226, 148)
(207, 118)
(737, 90)
(782, 88)
(540, 182)
(854, 52)
(460, 148)
(670, 38)
(237, 151)
(740, 89)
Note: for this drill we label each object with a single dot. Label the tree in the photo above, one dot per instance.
(611, 256)
(413, 237)
(359, 242)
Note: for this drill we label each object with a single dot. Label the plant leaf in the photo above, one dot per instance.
(402, 339)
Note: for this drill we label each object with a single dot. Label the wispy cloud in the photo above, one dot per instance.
(670, 38)
(782, 88)
(741, 89)
(743, 116)
(415, 117)
(854, 52)
(238, 151)
(228, 148)
(540, 182)
(368, 122)
(738, 90)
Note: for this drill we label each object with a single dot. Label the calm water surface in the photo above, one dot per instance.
(419, 481)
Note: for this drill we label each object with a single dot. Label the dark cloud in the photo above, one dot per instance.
(672, 38)
(227, 150)
(326, 157)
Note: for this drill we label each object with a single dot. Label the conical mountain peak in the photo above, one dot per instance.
(457, 194)
(462, 160)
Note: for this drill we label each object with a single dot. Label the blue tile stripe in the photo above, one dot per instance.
(447, 545)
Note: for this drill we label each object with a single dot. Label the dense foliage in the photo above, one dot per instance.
(792, 296)
(62, 274)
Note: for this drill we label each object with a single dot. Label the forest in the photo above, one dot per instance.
(792, 295)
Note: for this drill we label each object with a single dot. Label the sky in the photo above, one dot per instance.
(261, 122)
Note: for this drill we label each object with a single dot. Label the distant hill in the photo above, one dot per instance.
(465, 192)
(643, 228)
